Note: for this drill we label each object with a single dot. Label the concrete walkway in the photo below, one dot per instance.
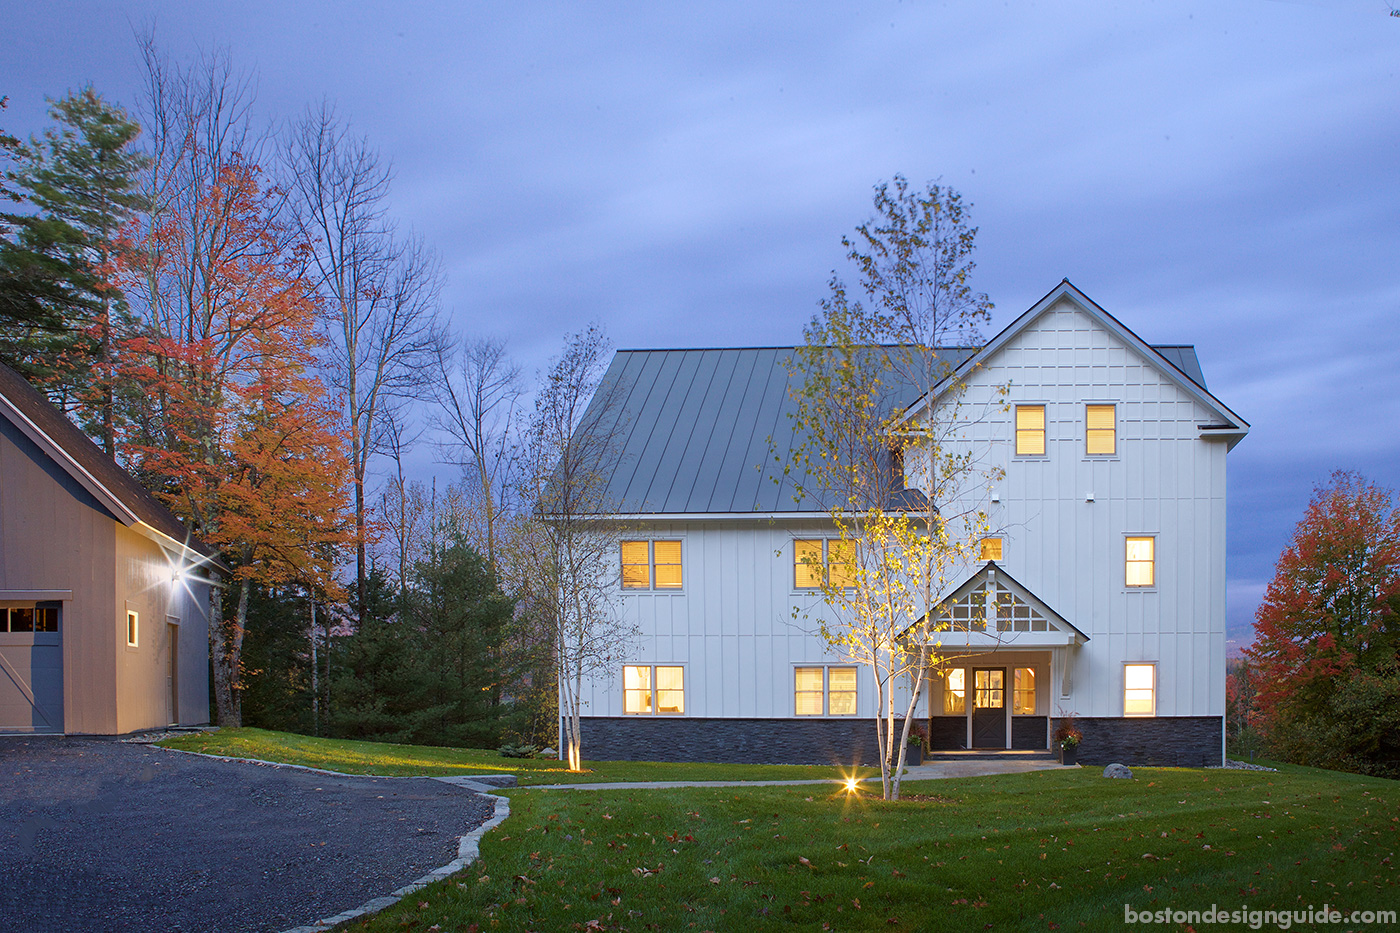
(926, 772)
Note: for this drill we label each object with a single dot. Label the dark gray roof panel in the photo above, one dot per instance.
(708, 431)
(1184, 359)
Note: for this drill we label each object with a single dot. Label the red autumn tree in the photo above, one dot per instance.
(1326, 654)
(227, 423)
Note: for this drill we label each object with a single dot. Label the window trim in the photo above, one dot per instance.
(654, 689)
(1140, 536)
(651, 543)
(825, 564)
(1112, 454)
(1044, 430)
(826, 691)
(1148, 664)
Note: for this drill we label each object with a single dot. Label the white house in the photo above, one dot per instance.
(1102, 584)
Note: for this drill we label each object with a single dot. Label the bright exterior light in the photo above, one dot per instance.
(851, 784)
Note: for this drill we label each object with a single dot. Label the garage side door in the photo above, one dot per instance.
(31, 670)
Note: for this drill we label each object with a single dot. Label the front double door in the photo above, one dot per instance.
(989, 707)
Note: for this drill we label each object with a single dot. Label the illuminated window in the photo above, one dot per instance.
(133, 629)
(813, 557)
(991, 549)
(1030, 430)
(1023, 692)
(841, 691)
(955, 691)
(1141, 561)
(651, 565)
(653, 689)
(1099, 431)
(809, 691)
(1139, 689)
(829, 690)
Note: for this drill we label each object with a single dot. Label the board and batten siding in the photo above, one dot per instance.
(731, 625)
(1164, 480)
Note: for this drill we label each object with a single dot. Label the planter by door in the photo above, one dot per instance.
(914, 756)
(1069, 754)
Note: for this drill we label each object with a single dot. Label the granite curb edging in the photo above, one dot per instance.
(468, 847)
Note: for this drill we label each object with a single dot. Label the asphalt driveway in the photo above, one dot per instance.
(99, 835)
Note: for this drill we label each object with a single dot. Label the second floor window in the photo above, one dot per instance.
(651, 565)
(991, 549)
(1100, 434)
(1030, 430)
(1141, 561)
(818, 559)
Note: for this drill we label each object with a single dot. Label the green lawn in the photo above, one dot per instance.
(382, 758)
(1039, 851)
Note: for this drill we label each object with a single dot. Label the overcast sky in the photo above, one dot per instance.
(1225, 174)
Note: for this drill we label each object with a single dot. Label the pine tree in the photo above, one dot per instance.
(58, 306)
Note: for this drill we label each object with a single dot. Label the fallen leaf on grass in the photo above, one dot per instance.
(804, 860)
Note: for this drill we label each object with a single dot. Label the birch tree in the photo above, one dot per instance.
(570, 552)
(866, 358)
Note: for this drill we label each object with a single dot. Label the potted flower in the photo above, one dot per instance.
(1068, 737)
(914, 752)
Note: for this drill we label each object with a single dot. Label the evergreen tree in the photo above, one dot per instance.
(458, 614)
(58, 308)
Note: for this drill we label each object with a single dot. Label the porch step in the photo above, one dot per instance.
(992, 754)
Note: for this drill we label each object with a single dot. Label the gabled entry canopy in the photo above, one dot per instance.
(992, 610)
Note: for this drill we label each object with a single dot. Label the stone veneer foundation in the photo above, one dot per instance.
(1181, 741)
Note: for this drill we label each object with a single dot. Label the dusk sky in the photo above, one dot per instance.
(1223, 174)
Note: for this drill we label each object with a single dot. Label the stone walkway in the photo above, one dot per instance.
(925, 772)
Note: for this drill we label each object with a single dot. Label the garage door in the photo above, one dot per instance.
(31, 669)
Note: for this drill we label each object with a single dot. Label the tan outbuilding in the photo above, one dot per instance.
(104, 599)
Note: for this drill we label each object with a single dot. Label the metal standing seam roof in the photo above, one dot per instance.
(707, 431)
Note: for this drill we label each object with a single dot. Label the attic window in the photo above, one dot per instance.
(896, 467)
(1030, 430)
(133, 629)
(990, 549)
(1100, 436)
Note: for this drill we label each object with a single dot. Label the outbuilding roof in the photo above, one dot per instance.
(119, 492)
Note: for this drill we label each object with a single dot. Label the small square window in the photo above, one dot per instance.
(991, 549)
(133, 629)
(1139, 690)
(1100, 434)
(1030, 430)
(1141, 561)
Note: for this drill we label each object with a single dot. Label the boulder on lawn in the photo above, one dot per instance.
(546, 753)
(1116, 770)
